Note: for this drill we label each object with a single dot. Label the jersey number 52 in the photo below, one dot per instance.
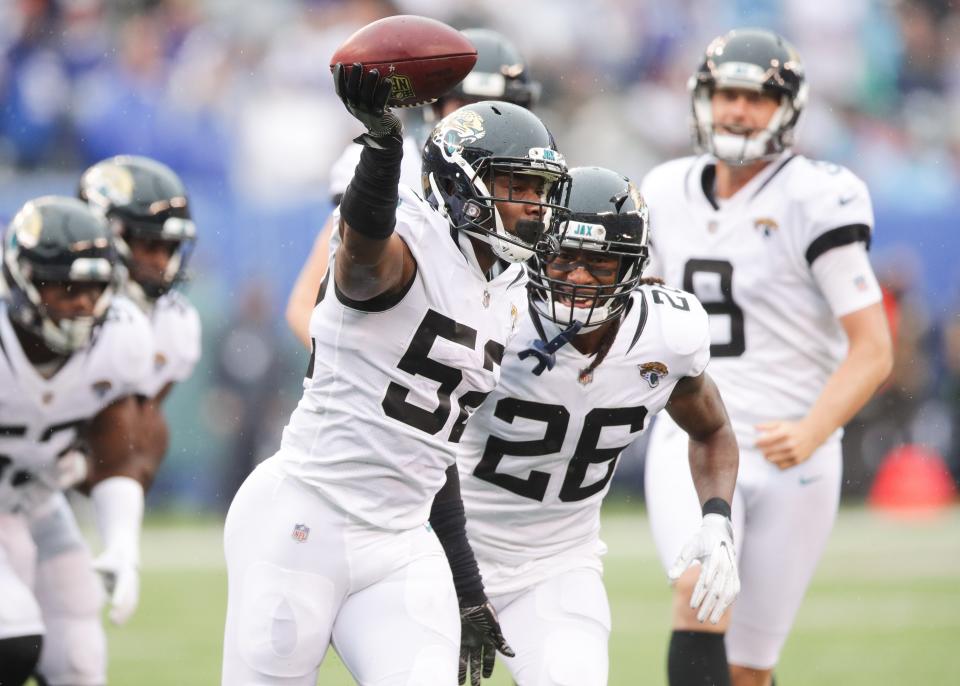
(417, 361)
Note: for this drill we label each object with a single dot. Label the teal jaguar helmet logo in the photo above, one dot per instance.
(460, 128)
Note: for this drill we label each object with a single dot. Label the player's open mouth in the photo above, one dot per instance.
(566, 299)
(736, 130)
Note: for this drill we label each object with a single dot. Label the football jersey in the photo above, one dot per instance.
(748, 259)
(176, 335)
(390, 385)
(40, 417)
(537, 458)
(342, 170)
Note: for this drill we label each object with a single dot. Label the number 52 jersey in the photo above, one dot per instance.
(391, 384)
(537, 458)
(40, 417)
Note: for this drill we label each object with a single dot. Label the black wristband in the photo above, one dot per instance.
(369, 203)
(449, 523)
(716, 506)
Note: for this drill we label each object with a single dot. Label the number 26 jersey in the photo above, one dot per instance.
(537, 458)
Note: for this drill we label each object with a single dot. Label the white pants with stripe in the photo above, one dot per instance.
(303, 575)
(781, 519)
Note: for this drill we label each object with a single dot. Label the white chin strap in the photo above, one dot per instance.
(735, 149)
(567, 314)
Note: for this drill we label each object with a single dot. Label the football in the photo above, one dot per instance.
(424, 57)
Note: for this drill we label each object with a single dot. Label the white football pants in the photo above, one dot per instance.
(781, 520)
(559, 629)
(302, 574)
(49, 587)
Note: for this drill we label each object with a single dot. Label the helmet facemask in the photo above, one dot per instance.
(595, 238)
(773, 68)
(178, 232)
(91, 264)
(472, 207)
(145, 200)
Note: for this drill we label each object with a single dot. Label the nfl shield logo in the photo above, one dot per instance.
(300, 532)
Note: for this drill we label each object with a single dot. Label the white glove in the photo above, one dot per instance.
(118, 502)
(72, 469)
(719, 581)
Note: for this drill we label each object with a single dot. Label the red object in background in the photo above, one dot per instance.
(891, 306)
(425, 57)
(912, 480)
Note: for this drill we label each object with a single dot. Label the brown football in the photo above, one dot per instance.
(425, 57)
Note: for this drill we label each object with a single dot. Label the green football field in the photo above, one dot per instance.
(884, 608)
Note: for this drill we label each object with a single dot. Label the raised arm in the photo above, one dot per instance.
(371, 260)
(303, 296)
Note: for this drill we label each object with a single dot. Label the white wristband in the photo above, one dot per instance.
(118, 503)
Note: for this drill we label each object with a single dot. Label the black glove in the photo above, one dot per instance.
(480, 639)
(365, 97)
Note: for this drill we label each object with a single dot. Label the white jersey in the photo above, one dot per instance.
(176, 335)
(40, 417)
(748, 260)
(342, 170)
(391, 383)
(537, 458)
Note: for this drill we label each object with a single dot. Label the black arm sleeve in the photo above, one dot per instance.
(369, 203)
(450, 524)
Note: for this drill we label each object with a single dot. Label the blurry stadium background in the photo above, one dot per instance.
(236, 96)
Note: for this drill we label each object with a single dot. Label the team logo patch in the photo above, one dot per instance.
(653, 372)
(300, 532)
(401, 87)
(101, 388)
(108, 184)
(765, 225)
(159, 361)
(27, 226)
(457, 130)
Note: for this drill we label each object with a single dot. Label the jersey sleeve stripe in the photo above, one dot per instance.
(378, 303)
(834, 238)
(643, 320)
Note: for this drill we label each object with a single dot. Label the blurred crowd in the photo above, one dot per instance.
(239, 89)
(237, 97)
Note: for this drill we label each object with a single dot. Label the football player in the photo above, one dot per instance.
(73, 358)
(146, 205)
(329, 539)
(536, 459)
(775, 247)
(499, 74)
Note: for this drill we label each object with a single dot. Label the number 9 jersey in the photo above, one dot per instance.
(761, 264)
(537, 458)
(392, 381)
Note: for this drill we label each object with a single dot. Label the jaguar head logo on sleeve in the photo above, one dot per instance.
(653, 372)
